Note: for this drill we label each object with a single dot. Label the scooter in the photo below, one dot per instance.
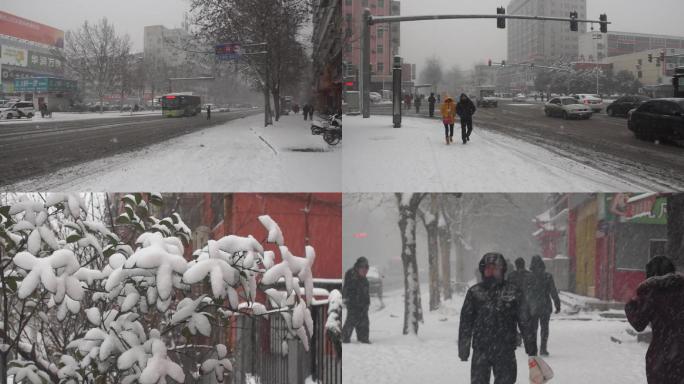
(330, 128)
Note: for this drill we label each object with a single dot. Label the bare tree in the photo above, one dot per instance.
(432, 73)
(274, 22)
(97, 56)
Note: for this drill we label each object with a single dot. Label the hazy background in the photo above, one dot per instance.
(469, 42)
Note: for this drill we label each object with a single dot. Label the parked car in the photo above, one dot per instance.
(624, 104)
(595, 102)
(519, 98)
(487, 101)
(17, 110)
(375, 97)
(658, 119)
(567, 107)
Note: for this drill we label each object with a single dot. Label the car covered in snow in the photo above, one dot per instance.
(567, 107)
(17, 110)
(487, 101)
(519, 98)
(595, 102)
(658, 119)
(375, 97)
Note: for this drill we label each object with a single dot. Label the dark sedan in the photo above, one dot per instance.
(624, 104)
(658, 119)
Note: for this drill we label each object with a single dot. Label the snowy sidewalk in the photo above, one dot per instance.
(379, 158)
(238, 156)
(581, 351)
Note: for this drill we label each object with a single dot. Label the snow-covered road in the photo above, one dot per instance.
(238, 156)
(580, 346)
(379, 158)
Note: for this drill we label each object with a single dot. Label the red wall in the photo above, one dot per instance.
(324, 225)
(625, 284)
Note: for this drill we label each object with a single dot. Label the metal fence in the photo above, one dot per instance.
(266, 355)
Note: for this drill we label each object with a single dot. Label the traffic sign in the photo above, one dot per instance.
(228, 51)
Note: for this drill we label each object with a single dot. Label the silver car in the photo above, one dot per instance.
(567, 107)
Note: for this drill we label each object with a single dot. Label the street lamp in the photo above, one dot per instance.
(597, 37)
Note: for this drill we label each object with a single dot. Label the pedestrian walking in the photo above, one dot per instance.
(541, 289)
(356, 296)
(491, 312)
(448, 110)
(439, 99)
(418, 103)
(311, 111)
(305, 110)
(520, 277)
(208, 112)
(431, 104)
(659, 301)
(465, 110)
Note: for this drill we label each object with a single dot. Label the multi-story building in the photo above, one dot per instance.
(165, 44)
(539, 42)
(385, 38)
(27, 50)
(327, 55)
(649, 73)
(545, 41)
(623, 43)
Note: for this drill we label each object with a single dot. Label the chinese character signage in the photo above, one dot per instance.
(44, 84)
(44, 62)
(13, 56)
(228, 51)
(637, 208)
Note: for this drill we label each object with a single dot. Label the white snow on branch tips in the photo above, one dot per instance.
(160, 366)
(334, 323)
(42, 270)
(275, 235)
(197, 322)
(219, 366)
(27, 372)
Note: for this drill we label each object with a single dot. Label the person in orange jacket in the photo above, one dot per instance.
(448, 110)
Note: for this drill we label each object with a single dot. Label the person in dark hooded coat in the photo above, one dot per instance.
(356, 296)
(659, 301)
(540, 290)
(491, 313)
(465, 110)
(520, 277)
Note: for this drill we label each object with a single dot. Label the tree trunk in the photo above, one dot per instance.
(413, 312)
(675, 229)
(267, 108)
(3, 367)
(101, 103)
(433, 253)
(276, 103)
(445, 251)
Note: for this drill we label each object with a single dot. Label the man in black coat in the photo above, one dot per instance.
(491, 312)
(519, 277)
(541, 289)
(659, 301)
(356, 296)
(431, 104)
(465, 110)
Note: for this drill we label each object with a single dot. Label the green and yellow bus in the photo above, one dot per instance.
(179, 105)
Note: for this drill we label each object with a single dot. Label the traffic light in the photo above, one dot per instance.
(662, 55)
(501, 21)
(650, 57)
(657, 61)
(604, 23)
(573, 22)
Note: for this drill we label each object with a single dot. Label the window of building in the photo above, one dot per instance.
(381, 67)
(380, 49)
(381, 33)
(381, 3)
(364, 3)
(348, 2)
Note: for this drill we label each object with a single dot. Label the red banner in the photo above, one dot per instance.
(21, 28)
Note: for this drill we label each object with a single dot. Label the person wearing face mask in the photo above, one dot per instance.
(356, 296)
(491, 314)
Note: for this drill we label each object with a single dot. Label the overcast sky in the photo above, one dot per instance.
(467, 42)
(128, 16)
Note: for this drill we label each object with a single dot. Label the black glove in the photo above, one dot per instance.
(463, 357)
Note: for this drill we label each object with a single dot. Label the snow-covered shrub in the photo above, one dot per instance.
(121, 310)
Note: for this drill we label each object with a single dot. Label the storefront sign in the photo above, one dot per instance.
(634, 208)
(44, 62)
(15, 26)
(13, 56)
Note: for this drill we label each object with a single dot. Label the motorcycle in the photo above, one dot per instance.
(330, 128)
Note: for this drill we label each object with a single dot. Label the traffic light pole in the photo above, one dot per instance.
(369, 20)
